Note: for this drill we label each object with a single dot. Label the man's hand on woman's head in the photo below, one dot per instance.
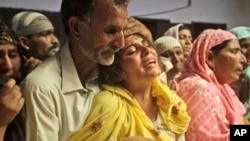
(135, 26)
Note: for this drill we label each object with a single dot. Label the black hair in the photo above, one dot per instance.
(7, 35)
(187, 27)
(218, 48)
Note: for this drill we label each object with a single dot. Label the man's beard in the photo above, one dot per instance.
(105, 56)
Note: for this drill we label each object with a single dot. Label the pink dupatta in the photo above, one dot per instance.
(212, 106)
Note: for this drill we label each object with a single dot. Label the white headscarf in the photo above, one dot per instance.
(28, 23)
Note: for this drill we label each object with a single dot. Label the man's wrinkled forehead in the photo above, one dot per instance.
(109, 17)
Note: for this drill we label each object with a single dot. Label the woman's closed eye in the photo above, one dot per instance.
(145, 43)
(131, 50)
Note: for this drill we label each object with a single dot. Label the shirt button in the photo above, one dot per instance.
(85, 94)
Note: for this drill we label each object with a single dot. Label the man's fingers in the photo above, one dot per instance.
(20, 104)
(7, 87)
(134, 26)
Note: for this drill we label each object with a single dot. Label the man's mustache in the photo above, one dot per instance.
(55, 46)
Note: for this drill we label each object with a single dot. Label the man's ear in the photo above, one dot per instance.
(210, 60)
(24, 42)
(74, 26)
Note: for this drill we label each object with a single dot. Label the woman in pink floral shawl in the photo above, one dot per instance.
(215, 61)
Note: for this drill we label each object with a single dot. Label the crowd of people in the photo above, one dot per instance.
(112, 80)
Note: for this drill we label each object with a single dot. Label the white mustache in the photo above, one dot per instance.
(111, 48)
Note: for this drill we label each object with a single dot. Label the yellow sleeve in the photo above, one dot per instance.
(246, 121)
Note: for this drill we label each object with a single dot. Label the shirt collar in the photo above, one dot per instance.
(70, 78)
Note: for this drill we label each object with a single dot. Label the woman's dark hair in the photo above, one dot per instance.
(184, 26)
(219, 47)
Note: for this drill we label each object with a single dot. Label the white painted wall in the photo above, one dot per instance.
(231, 12)
(49, 5)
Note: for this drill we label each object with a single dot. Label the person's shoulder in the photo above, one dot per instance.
(49, 64)
(48, 67)
(193, 80)
(44, 74)
(195, 86)
(106, 99)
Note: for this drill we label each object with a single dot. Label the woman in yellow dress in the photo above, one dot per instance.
(134, 102)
